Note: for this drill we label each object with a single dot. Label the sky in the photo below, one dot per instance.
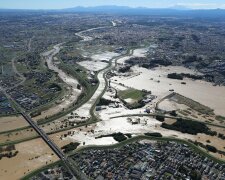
(60, 4)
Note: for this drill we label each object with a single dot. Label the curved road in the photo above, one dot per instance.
(88, 38)
(15, 69)
(50, 54)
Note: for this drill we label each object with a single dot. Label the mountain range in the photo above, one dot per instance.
(175, 10)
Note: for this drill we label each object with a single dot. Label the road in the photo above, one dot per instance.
(88, 38)
(72, 169)
(21, 76)
(23, 79)
(67, 162)
(29, 43)
(70, 166)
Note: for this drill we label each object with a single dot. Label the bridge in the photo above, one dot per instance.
(51, 144)
(68, 164)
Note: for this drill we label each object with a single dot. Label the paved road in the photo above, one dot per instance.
(29, 43)
(71, 167)
(23, 79)
(68, 163)
(52, 145)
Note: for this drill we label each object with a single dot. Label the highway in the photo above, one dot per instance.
(68, 164)
(50, 143)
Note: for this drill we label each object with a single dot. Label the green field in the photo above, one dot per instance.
(132, 94)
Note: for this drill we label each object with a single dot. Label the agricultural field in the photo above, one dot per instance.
(189, 108)
(111, 84)
(132, 97)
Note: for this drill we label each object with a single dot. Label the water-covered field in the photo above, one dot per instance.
(156, 80)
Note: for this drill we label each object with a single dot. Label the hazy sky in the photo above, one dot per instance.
(58, 4)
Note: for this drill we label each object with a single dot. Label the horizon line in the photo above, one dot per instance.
(182, 8)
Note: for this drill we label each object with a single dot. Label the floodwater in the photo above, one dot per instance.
(168, 105)
(68, 99)
(96, 64)
(141, 52)
(104, 56)
(93, 65)
(84, 111)
(156, 80)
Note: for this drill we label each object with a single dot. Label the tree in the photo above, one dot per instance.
(160, 118)
(195, 175)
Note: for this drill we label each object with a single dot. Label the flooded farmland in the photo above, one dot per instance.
(156, 80)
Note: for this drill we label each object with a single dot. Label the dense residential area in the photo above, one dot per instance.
(112, 92)
(143, 160)
(6, 107)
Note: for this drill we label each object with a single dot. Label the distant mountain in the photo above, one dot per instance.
(120, 10)
(99, 9)
(175, 10)
(125, 10)
(179, 7)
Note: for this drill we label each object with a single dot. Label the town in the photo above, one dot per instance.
(143, 160)
(112, 93)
